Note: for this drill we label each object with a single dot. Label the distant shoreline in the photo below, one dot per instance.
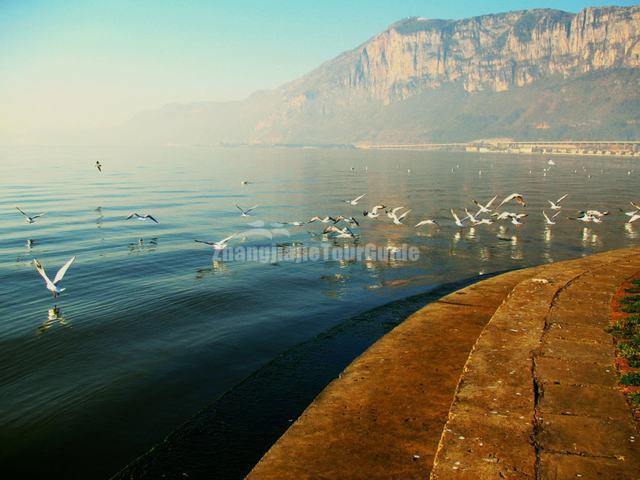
(601, 148)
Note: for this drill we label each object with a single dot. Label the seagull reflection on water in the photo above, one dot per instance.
(217, 266)
(54, 315)
(141, 246)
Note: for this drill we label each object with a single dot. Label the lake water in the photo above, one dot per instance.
(148, 333)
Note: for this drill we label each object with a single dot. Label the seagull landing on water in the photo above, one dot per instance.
(98, 165)
(556, 205)
(245, 213)
(514, 196)
(549, 221)
(32, 218)
(355, 200)
(52, 286)
(221, 245)
(484, 208)
(142, 218)
(426, 222)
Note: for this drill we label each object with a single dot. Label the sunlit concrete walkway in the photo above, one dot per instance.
(511, 377)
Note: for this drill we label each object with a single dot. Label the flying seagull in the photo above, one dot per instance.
(339, 233)
(142, 218)
(31, 219)
(397, 220)
(325, 219)
(374, 212)
(221, 245)
(98, 165)
(556, 205)
(393, 212)
(245, 213)
(457, 219)
(549, 221)
(484, 208)
(52, 286)
(514, 196)
(347, 220)
(355, 200)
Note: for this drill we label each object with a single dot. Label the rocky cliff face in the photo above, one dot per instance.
(492, 52)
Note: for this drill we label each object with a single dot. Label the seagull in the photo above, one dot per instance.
(596, 213)
(374, 212)
(245, 213)
(392, 213)
(51, 286)
(244, 182)
(634, 217)
(397, 219)
(551, 162)
(142, 218)
(427, 222)
(556, 205)
(455, 217)
(221, 245)
(98, 165)
(548, 220)
(514, 196)
(340, 233)
(586, 218)
(326, 219)
(355, 200)
(31, 219)
(484, 208)
(347, 220)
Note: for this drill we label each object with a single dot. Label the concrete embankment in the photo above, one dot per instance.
(512, 376)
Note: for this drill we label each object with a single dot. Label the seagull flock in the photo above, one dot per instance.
(341, 226)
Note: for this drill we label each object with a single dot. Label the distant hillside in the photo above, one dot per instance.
(536, 74)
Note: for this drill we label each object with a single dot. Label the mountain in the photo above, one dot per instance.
(534, 74)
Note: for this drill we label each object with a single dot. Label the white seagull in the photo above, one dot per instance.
(397, 220)
(32, 218)
(355, 200)
(142, 218)
(484, 208)
(221, 245)
(549, 221)
(325, 219)
(52, 286)
(634, 217)
(514, 196)
(426, 222)
(245, 213)
(393, 212)
(374, 212)
(339, 233)
(556, 205)
(457, 219)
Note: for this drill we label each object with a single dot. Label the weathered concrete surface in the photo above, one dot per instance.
(546, 346)
(385, 416)
(391, 403)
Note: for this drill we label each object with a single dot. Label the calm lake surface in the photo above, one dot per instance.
(149, 333)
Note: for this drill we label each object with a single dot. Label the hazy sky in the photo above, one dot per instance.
(84, 64)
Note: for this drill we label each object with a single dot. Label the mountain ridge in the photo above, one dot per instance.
(416, 62)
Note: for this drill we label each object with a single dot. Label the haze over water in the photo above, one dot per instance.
(154, 331)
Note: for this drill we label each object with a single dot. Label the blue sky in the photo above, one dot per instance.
(93, 63)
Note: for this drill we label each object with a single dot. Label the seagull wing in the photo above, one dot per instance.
(358, 198)
(404, 214)
(556, 215)
(239, 208)
(562, 198)
(205, 242)
(634, 205)
(150, 217)
(491, 201)
(43, 274)
(546, 217)
(131, 215)
(17, 208)
(63, 270)
(455, 216)
(252, 208)
(225, 240)
(39, 215)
